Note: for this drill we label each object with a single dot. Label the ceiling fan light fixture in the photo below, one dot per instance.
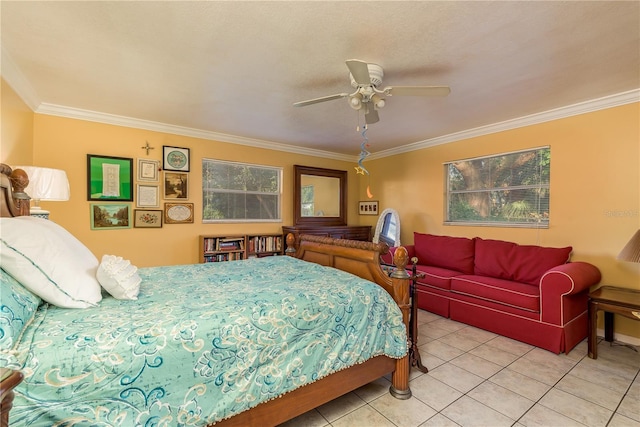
(378, 101)
(356, 101)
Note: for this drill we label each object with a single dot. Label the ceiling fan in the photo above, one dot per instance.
(366, 78)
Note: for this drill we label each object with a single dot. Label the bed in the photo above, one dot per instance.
(254, 342)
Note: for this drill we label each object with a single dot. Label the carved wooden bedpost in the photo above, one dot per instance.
(291, 243)
(399, 278)
(19, 181)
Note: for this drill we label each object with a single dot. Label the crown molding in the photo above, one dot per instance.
(112, 119)
(14, 77)
(545, 116)
(611, 101)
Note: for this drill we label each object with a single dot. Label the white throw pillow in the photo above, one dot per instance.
(49, 261)
(118, 277)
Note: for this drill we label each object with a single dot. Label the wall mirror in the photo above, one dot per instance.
(320, 196)
(388, 228)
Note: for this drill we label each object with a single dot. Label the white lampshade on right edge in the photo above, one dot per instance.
(45, 184)
(631, 251)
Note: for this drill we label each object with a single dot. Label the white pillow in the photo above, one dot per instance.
(49, 261)
(118, 277)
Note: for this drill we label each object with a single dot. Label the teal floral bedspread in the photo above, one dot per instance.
(202, 343)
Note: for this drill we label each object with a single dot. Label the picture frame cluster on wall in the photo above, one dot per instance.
(110, 179)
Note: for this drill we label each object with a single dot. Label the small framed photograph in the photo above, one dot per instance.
(176, 185)
(110, 216)
(175, 159)
(369, 207)
(178, 213)
(148, 170)
(109, 178)
(148, 196)
(146, 218)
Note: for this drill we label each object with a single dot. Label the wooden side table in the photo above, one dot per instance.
(610, 299)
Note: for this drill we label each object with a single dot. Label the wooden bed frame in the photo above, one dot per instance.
(359, 258)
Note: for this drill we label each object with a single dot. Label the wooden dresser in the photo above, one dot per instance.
(351, 232)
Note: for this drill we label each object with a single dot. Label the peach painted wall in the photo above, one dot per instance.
(17, 128)
(595, 189)
(64, 143)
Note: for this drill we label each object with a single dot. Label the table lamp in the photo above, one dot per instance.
(631, 251)
(45, 184)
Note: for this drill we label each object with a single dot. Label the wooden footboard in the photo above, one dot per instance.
(362, 259)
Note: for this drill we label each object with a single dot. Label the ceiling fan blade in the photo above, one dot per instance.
(360, 71)
(371, 116)
(322, 99)
(417, 90)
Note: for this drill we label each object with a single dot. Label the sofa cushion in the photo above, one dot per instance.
(436, 276)
(520, 263)
(520, 295)
(452, 253)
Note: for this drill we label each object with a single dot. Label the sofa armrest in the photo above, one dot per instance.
(563, 291)
(388, 257)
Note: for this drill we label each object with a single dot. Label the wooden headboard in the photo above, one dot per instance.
(13, 200)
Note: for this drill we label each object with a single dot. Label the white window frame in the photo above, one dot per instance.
(278, 192)
(539, 219)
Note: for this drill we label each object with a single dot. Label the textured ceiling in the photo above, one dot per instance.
(236, 68)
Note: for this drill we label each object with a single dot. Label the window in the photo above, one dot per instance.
(240, 192)
(506, 190)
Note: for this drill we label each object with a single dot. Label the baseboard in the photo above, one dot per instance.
(621, 337)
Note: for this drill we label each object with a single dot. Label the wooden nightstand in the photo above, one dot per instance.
(8, 380)
(610, 299)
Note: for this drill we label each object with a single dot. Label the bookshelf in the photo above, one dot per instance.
(238, 247)
(222, 248)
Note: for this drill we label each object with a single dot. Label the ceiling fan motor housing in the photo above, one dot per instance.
(375, 73)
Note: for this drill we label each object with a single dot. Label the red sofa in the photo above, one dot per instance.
(529, 293)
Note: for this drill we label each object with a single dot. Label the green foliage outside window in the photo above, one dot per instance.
(240, 192)
(509, 189)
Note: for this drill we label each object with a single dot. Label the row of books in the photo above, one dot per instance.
(230, 256)
(265, 244)
(224, 244)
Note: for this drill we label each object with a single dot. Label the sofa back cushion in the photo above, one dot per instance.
(453, 253)
(521, 263)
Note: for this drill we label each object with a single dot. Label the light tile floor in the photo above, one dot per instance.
(477, 378)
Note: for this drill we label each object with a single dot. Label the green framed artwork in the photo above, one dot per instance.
(110, 216)
(109, 178)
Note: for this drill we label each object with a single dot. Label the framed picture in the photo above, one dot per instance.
(148, 196)
(178, 213)
(176, 185)
(368, 208)
(146, 218)
(175, 158)
(109, 178)
(110, 216)
(148, 170)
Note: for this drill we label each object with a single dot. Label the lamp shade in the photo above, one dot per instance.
(631, 251)
(46, 183)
